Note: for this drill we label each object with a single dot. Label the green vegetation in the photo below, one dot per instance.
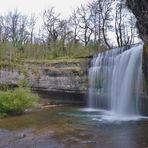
(62, 60)
(17, 100)
(10, 54)
(26, 53)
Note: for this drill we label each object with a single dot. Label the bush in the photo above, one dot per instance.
(16, 101)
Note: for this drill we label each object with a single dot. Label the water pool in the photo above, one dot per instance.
(72, 127)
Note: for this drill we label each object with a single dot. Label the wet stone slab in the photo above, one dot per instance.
(27, 139)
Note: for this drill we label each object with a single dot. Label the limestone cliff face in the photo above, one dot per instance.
(65, 76)
(140, 10)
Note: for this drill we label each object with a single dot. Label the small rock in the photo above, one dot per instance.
(21, 136)
(89, 142)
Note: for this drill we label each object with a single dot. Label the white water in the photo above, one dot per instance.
(115, 80)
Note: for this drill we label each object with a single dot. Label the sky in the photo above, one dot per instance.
(28, 7)
(38, 6)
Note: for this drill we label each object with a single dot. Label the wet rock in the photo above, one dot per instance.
(21, 136)
(88, 142)
(140, 10)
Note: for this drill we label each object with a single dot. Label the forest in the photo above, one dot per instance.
(96, 26)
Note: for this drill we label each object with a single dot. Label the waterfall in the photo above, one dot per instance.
(115, 80)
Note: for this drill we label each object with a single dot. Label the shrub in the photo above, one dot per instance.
(16, 101)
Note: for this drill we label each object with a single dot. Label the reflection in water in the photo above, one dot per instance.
(123, 139)
(69, 127)
(106, 131)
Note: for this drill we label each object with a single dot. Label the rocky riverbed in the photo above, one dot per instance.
(71, 127)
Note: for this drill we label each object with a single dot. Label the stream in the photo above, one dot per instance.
(71, 127)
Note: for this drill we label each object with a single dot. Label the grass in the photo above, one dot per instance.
(40, 52)
(63, 60)
(16, 58)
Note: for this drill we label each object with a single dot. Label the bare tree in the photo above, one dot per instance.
(23, 34)
(15, 28)
(64, 34)
(133, 33)
(85, 27)
(120, 21)
(125, 24)
(32, 23)
(106, 9)
(74, 22)
(94, 7)
(1, 28)
(12, 20)
(51, 24)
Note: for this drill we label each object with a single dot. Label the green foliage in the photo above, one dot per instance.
(17, 100)
(2, 115)
(21, 52)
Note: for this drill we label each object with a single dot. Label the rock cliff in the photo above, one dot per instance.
(140, 10)
(49, 77)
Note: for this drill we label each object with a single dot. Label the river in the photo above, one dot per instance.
(71, 127)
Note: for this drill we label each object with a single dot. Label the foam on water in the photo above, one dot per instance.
(109, 116)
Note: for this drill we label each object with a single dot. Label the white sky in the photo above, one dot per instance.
(37, 6)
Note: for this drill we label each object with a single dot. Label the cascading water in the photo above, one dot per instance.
(115, 80)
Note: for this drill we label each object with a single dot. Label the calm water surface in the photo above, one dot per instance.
(71, 127)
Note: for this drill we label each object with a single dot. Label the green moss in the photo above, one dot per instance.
(8, 64)
(35, 70)
(57, 61)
